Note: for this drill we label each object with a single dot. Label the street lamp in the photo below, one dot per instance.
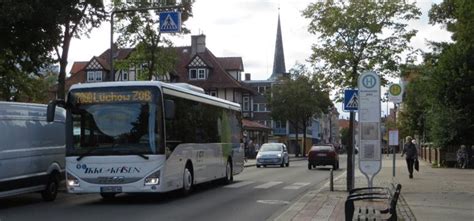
(114, 11)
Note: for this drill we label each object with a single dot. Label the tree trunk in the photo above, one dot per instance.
(63, 64)
(304, 139)
(297, 146)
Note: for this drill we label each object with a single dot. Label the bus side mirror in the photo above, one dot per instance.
(52, 109)
(169, 109)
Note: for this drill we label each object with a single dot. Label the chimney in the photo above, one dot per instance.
(247, 76)
(198, 44)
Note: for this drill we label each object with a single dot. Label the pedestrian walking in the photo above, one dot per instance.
(409, 149)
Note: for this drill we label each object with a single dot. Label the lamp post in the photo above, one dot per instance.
(114, 11)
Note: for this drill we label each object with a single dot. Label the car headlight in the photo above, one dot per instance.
(279, 155)
(153, 179)
(71, 180)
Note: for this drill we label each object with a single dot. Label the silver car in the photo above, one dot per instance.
(273, 154)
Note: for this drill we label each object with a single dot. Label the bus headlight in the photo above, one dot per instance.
(153, 179)
(71, 180)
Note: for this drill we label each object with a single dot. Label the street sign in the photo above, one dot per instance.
(393, 137)
(370, 154)
(170, 22)
(351, 100)
(395, 93)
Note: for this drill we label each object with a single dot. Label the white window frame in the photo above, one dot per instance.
(94, 76)
(201, 73)
(246, 103)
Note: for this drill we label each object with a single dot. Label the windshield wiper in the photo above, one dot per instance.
(141, 155)
(85, 154)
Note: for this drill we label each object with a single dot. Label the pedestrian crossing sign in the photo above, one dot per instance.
(351, 100)
(170, 22)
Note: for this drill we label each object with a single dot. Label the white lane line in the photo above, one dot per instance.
(239, 184)
(295, 186)
(268, 185)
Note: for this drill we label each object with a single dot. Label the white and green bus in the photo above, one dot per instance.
(149, 136)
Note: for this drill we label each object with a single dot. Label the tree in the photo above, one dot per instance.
(453, 75)
(28, 37)
(297, 99)
(358, 35)
(74, 18)
(140, 29)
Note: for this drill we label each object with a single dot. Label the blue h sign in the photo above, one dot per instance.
(351, 100)
(170, 22)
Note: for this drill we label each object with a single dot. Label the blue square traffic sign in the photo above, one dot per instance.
(351, 100)
(170, 22)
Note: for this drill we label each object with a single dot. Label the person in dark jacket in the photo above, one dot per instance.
(409, 149)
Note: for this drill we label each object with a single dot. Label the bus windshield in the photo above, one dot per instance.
(115, 126)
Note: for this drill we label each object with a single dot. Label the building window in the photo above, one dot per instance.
(246, 103)
(260, 107)
(198, 74)
(280, 124)
(124, 76)
(213, 93)
(94, 76)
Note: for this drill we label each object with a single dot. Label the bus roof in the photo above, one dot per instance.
(178, 89)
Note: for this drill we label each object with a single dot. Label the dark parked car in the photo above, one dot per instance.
(273, 154)
(321, 155)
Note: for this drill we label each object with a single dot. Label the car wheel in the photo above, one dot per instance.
(288, 163)
(51, 190)
(309, 166)
(258, 166)
(282, 163)
(334, 166)
(187, 180)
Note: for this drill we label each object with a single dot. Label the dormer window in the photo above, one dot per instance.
(94, 76)
(198, 73)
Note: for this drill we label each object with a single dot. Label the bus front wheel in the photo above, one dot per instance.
(229, 176)
(187, 180)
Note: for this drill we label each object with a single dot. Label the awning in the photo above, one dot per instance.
(252, 125)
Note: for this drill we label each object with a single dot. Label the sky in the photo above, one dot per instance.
(247, 29)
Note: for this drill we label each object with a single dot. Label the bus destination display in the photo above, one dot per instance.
(112, 96)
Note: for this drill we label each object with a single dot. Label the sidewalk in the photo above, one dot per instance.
(433, 194)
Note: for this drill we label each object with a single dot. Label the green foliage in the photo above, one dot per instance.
(32, 30)
(444, 95)
(345, 136)
(359, 35)
(140, 29)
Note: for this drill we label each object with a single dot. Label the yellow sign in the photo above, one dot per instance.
(112, 97)
(395, 89)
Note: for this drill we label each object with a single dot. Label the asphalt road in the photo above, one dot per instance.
(256, 194)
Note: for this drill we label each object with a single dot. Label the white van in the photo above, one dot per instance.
(32, 151)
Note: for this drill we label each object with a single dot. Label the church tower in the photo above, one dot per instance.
(279, 57)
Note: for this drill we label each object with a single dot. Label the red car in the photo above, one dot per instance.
(323, 155)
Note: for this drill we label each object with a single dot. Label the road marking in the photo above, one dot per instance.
(295, 186)
(268, 185)
(273, 202)
(239, 184)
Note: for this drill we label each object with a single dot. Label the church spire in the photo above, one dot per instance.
(279, 57)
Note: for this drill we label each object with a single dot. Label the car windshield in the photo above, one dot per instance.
(270, 147)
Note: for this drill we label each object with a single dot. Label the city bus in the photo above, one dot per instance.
(148, 136)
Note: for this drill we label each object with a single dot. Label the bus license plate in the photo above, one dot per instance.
(110, 189)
